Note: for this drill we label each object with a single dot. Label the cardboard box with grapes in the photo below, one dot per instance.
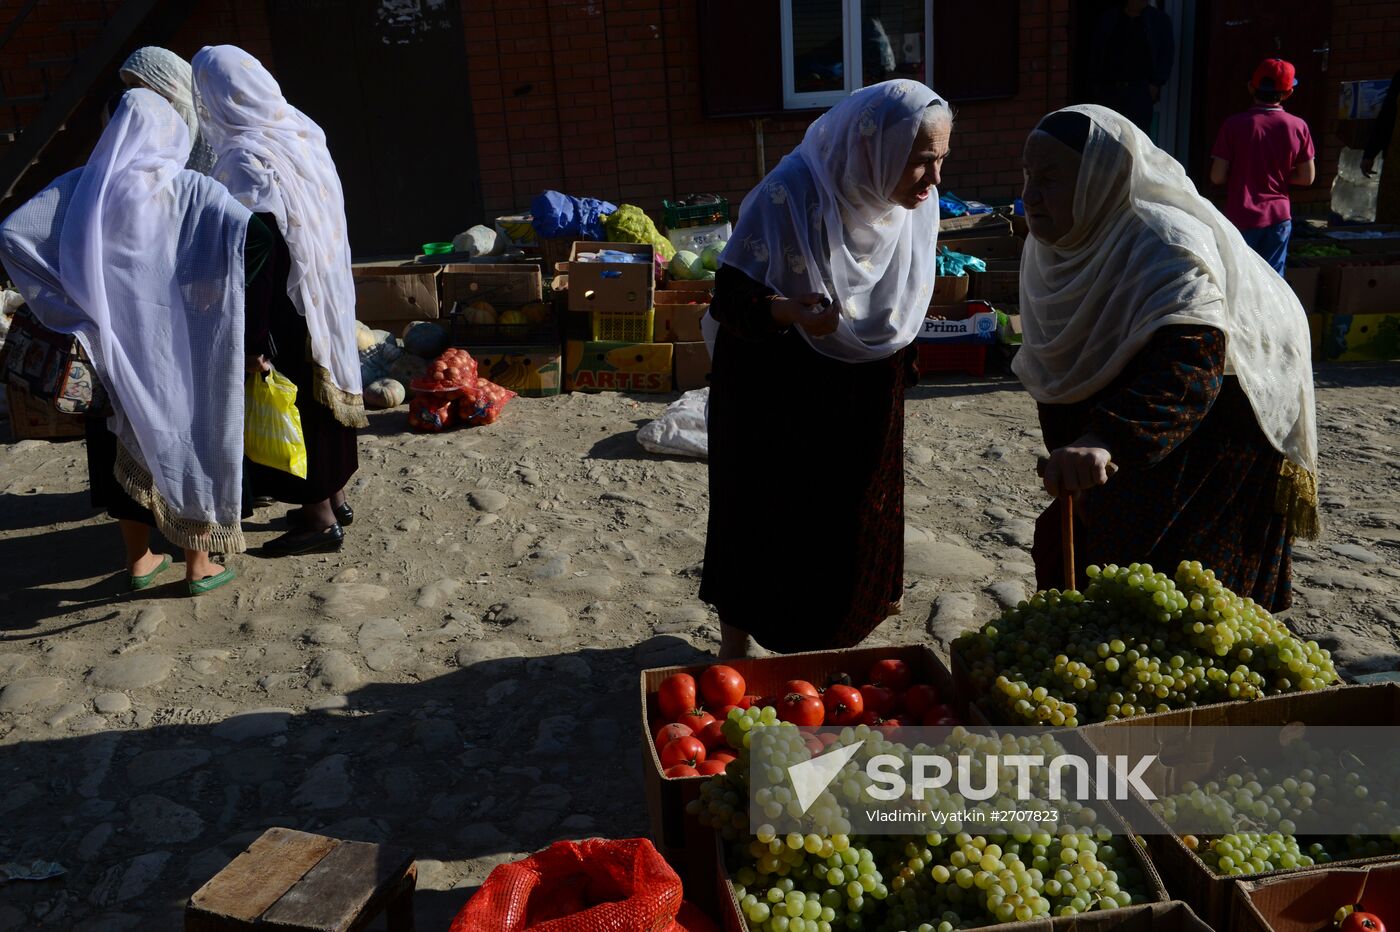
(1261, 791)
(1135, 641)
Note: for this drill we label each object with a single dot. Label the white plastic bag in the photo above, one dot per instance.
(681, 430)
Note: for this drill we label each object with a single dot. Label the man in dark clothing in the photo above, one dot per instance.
(1133, 51)
(1386, 141)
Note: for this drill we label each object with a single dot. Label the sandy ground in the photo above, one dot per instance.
(461, 680)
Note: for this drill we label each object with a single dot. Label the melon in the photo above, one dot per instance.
(512, 318)
(384, 336)
(479, 312)
(384, 393)
(425, 338)
(364, 336)
(536, 313)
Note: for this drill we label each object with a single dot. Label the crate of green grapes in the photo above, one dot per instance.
(1134, 641)
(1283, 799)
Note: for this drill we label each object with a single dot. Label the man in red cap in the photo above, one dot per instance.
(1257, 155)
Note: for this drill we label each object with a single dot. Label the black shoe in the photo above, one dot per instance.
(296, 543)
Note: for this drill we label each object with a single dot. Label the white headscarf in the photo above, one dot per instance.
(823, 222)
(274, 159)
(1145, 252)
(143, 261)
(169, 75)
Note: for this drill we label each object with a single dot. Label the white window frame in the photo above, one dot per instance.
(852, 47)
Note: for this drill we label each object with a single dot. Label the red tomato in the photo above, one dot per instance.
(1363, 922)
(828, 738)
(687, 750)
(800, 709)
(879, 700)
(844, 705)
(893, 728)
(892, 673)
(709, 768)
(918, 699)
(801, 686)
(712, 737)
(747, 701)
(722, 712)
(681, 770)
(722, 757)
(869, 717)
(941, 715)
(696, 719)
(676, 696)
(721, 685)
(668, 733)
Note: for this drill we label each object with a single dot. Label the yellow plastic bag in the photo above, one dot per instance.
(272, 434)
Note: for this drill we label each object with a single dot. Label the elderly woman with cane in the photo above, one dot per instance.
(819, 296)
(1171, 366)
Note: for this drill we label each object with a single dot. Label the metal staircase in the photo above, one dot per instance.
(58, 65)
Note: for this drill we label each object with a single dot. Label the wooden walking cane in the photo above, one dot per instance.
(1066, 508)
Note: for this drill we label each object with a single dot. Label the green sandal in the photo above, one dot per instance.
(137, 583)
(210, 583)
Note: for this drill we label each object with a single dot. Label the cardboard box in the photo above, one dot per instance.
(1360, 289)
(666, 797)
(517, 229)
(678, 316)
(1367, 239)
(495, 284)
(1010, 333)
(1354, 337)
(614, 286)
(1362, 100)
(1186, 875)
(949, 289)
(1304, 281)
(617, 367)
(979, 329)
(529, 371)
(996, 286)
(692, 365)
(675, 284)
(1306, 902)
(394, 291)
(989, 247)
(35, 419)
(971, 226)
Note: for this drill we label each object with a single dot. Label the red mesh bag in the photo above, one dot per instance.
(597, 885)
(430, 413)
(482, 403)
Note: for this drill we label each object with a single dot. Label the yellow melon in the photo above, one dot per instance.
(512, 318)
(479, 312)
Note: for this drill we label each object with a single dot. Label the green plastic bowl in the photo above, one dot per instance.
(436, 249)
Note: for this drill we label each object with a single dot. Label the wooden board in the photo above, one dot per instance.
(255, 879)
(350, 883)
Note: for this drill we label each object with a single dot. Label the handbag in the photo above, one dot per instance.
(50, 366)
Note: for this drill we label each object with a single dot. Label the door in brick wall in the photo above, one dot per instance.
(387, 80)
(1237, 35)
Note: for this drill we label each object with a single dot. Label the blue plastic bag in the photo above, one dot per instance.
(559, 215)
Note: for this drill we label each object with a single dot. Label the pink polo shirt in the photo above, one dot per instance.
(1263, 145)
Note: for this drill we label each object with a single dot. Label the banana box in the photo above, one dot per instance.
(617, 367)
(529, 371)
(1351, 337)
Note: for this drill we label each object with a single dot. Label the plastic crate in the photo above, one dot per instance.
(623, 326)
(531, 334)
(678, 216)
(934, 357)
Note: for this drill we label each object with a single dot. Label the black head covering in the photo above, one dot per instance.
(1069, 127)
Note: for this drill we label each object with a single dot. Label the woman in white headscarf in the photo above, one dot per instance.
(819, 296)
(273, 159)
(144, 262)
(1171, 364)
(169, 75)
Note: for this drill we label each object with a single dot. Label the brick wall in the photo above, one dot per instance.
(600, 98)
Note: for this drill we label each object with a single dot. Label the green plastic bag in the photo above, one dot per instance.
(272, 434)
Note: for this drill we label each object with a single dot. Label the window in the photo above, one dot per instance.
(831, 48)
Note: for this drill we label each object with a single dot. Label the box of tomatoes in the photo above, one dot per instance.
(1349, 899)
(683, 708)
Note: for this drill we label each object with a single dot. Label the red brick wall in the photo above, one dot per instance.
(600, 98)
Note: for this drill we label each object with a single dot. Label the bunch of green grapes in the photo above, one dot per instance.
(1136, 641)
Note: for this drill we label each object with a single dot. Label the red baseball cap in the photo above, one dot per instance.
(1274, 74)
